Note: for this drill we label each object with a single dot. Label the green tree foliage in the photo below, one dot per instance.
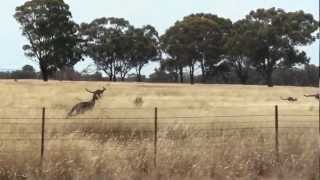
(52, 35)
(206, 47)
(306, 76)
(116, 47)
(237, 48)
(174, 50)
(107, 44)
(275, 38)
(171, 66)
(160, 75)
(28, 68)
(26, 72)
(143, 47)
(197, 39)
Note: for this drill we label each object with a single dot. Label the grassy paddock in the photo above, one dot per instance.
(205, 132)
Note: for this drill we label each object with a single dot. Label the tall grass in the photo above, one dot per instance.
(183, 153)
(193, 148)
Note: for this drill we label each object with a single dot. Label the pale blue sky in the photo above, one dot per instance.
(159, 13)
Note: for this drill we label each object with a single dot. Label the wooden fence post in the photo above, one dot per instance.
(155, 135)
(277, 133)
(42, 133)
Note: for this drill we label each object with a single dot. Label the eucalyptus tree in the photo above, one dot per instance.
(197, 39)
(209, 34)
(174, 44)
(238, 50)
(275, 39)
(143, 47)
(53, 38)
(106, 44)
(172, 67)
(173, 50)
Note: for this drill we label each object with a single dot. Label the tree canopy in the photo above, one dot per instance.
(275, 38)
(52, 35)
(116, 46)
(201, 47)
(106, 44)
(197, 40)
(144, 47)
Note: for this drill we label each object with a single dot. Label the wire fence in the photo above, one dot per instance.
(41, 131)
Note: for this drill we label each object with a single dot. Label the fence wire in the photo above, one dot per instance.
(137, 124)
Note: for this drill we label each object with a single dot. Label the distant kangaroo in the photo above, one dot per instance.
(290, 99)
(317, 96)
(82, 107)
(98, 92)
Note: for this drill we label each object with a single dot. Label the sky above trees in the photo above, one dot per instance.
(160, 13)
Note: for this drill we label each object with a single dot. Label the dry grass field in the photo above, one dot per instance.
(205, 132)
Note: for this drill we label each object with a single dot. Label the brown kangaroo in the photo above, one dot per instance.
(98, 92)
(290, 99)
(317, 96)
(82, 107)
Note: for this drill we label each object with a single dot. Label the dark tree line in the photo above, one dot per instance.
(266, 40)
(302, 76)
(26, 72)
(206, 47)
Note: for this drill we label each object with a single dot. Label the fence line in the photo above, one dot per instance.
(148, 118)
(211, 107)
(156, 121)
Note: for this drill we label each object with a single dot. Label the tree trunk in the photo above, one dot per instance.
(45, 76)
(191, 74)
(181, 74)
(139, 78)
(269, 80)
(123, 78)
(176, 77)
(44, 72)
(203, 73)
(109, 75)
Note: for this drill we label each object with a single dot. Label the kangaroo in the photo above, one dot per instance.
(98, 92)
(82, 107)
(290, 99)
(317, 96)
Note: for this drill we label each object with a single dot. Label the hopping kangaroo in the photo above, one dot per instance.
(290, 99)
(98, 92)
(317, 96)
(82, 107)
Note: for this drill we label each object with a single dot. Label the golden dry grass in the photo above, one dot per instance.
(199, 135)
